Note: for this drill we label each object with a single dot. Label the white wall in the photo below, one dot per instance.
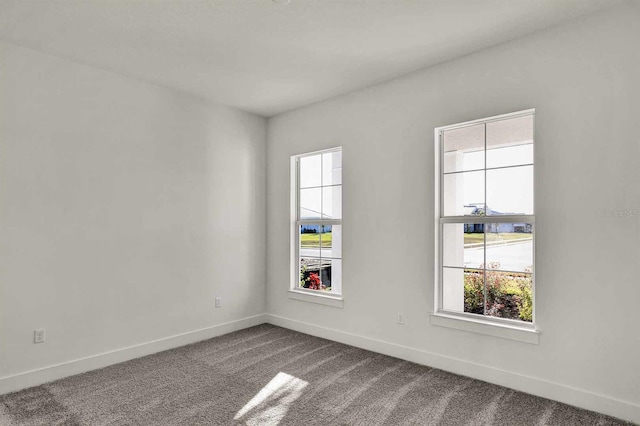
(583, 80)
(125, 208)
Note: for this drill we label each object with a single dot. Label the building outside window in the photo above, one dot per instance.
(485, 219)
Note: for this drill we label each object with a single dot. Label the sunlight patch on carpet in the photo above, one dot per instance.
(271, 404)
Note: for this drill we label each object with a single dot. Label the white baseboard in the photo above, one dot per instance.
(53, 372)
(580, 398)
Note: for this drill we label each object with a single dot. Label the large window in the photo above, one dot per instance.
(317, 222)
(486, 219)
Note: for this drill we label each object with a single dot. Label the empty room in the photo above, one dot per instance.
(319, 212)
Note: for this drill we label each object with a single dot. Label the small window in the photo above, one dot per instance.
(485, 228)
(317, 222)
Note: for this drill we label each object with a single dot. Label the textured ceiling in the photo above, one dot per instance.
(265, 57)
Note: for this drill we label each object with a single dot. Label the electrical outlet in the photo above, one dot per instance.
(38, 335)
(400, 318)
(218, 302)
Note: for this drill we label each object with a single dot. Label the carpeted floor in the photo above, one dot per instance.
(268, 375)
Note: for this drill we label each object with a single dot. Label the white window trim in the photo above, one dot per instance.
(314, 296)
(480, 325)
(294, 291)
(499, 327)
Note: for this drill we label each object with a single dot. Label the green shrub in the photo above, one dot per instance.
(508, 294)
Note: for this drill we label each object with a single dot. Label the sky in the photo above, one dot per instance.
(510, 189)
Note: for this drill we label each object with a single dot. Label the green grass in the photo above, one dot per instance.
(313, 240)
(494, 236)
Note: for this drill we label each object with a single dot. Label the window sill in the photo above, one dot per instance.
(322, 299)
(505, 331)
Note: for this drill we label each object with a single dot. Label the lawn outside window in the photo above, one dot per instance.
(485, 222)
(316, 200)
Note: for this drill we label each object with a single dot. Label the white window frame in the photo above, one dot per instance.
(331, 298)
(495, 326)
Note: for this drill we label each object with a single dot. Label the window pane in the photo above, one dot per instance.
(463, 149)
(474, 291)
(464, 194)
(332, 168)
(310, 171)
(310, 273)
(463, 245)
(310, 203)
(509, 295)
(510, 246)
(321, 274)
(510, 142)
(510, 191)
(453, 289)
(330, 274)
(510, 156)
(331, 241)
(332, 202)
(310, 240)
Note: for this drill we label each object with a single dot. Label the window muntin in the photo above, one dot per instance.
(486, 221)
(318, 222)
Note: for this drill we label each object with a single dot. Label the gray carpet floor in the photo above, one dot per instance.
(268, 375)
